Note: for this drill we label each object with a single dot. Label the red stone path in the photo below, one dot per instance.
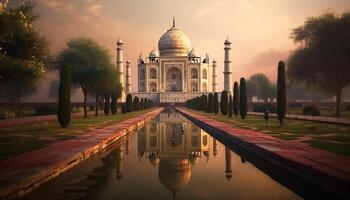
(312, 160)
(20, 174)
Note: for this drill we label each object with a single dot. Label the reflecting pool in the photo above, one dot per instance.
(169, 158)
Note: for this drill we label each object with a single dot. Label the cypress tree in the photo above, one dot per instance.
(243, 101)
(114, 104)
(210, 103)
(128, 106)
(230, 107)
(235, 99)
(224, 102)
(204, 103)
(281, 93)
(141, 104)
(64, 106)
(216, 103)
(107, 105)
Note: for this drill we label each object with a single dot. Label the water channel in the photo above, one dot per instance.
(169, 158)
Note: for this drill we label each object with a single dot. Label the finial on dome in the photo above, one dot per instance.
(173, 21)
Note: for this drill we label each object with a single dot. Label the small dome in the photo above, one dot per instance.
(174, 174)
(227, 42)
(120, 42)
(193, 54)
(154, 54)
(174, 43)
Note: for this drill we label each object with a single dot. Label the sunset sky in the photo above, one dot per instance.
(259, 30)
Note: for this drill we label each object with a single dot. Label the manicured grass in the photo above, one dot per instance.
(330, 137)
(326, 113)
(19, 139)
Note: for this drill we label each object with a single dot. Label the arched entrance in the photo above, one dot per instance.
(173, 80)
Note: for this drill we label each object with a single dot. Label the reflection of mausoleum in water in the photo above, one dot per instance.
(165, 145)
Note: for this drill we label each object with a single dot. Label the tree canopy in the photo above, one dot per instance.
(24, 54)
(322, 58)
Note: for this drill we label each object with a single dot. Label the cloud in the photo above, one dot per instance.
(266, 62)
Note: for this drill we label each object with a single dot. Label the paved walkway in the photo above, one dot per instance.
(311, 163)
(324, 119)
(20, 174)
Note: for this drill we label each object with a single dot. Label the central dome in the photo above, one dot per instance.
(174, 43)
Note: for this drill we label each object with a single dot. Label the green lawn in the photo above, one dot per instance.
(330, 137)
(324, 112)
(19, 139)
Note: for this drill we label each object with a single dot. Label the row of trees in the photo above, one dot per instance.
(229, 105)
(136, 104)
(238, 103)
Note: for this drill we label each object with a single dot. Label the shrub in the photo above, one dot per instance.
(45, 109)
(263, 107)
(311, 110)
(204, 103)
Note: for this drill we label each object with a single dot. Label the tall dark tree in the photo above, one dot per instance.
(64, 106)
(224, 102)
(243, 101)
(235, 99)
(216, 103)
(281, 93)
(230, 106)
(210, 103)
(322, 59)
(24, 54)
(128, 106)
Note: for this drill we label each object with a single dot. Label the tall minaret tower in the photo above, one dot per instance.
(214, 84)
(120, 68)
(128, 77)
(227, 70)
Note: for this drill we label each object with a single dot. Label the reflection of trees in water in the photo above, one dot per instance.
(98, 179)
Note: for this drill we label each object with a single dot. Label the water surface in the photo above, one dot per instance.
(169, 158)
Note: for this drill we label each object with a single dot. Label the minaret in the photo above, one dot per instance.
(228, 163)
(119, 162)
(214, 84)
(227, 70)
(120, 67)
(128, 77)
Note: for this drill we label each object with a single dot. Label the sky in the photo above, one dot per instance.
(259, 30)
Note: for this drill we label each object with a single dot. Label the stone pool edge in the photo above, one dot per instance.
(333, 184)
(28, 178)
